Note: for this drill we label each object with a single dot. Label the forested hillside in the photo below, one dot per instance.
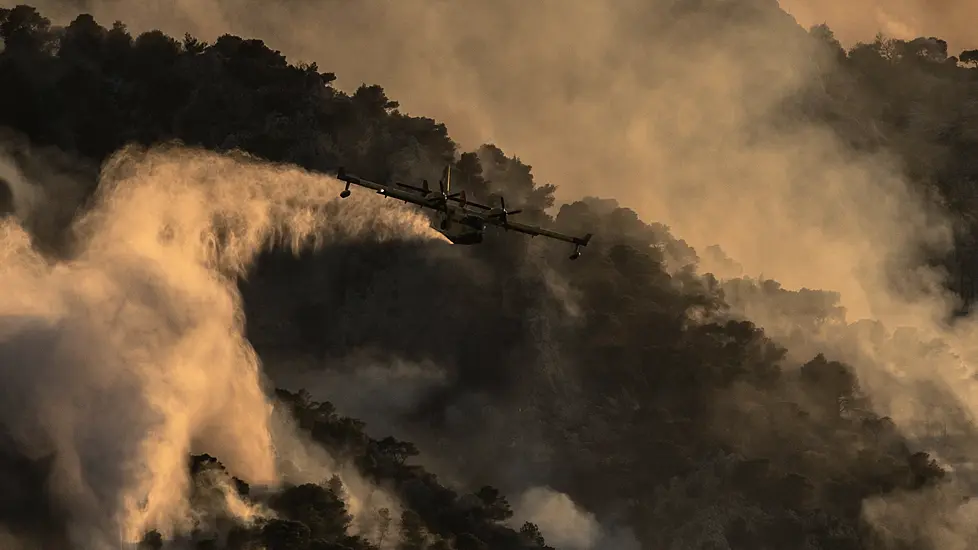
(622, 381)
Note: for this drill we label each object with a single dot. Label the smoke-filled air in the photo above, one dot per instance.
(768, 344)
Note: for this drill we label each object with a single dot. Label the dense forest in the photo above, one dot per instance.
(625, 383)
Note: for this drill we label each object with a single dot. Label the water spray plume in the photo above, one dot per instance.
(124, 358)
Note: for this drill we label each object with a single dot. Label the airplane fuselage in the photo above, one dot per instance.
(464, 230)
(464, 237)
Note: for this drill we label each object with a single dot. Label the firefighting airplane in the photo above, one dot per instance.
(462, 221)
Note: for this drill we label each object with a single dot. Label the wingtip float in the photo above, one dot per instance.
(462, 221)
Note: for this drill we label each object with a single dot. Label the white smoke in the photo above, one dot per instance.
(301, 461)
(566, 525)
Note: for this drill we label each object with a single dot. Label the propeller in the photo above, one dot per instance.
(501, 212)
(444, 192)
(443, 201)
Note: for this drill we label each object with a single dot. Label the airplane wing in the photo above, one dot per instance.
(457, 198)
(534, 231)
(382, 189)
(408, 193)
(414, 187)
(500, 218)
(465, 203)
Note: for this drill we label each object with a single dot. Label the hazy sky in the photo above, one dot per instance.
(855, 20)
(596, 98)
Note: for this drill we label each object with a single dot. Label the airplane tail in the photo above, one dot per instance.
(444, 184)
(446, 176)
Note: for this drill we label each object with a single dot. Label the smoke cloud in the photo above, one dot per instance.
(300, 460)
(565, 525)
(381, 391)
(679, 115)
(562, 523)
(681, 125)
(125, 357)
(860, 20)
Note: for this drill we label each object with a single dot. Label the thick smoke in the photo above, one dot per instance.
(301, 460)
(130, 354)
(674, 116)
(680, 118)
(381, 391)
